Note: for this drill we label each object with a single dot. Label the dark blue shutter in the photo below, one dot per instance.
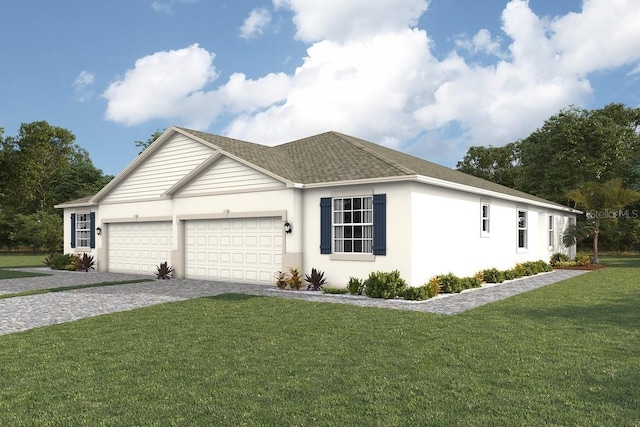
(325, 225)
(379, 224)
(73, 230)
(92, 235)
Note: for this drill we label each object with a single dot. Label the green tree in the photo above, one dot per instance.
(33, 161)
(144, 144)
(602, 203)
(577, 145)
(79, 178)
(496, 164)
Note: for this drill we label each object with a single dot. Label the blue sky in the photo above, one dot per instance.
(430, 78)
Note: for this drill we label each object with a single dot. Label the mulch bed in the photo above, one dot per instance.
(582, 267)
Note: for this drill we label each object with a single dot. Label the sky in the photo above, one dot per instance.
(427, 77)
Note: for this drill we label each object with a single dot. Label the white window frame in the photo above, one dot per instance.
(352, 225)
(83, 230)
(550, 231)
(522, 227)
(485, 219)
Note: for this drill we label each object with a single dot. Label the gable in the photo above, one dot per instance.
(169, 164)
(228, 175)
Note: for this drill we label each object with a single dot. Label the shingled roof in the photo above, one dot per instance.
(335, 157)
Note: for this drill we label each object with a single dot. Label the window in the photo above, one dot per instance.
(83, 230)
(522, 229)
(353, 225)
(550, 231)
(485, 209)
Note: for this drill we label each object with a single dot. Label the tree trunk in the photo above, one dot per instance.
(595, 247)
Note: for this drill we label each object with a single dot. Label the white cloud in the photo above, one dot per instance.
(254, 23)
(340, 20)
(81, 85)
(369, 72)
(172, 85)
(166, 6)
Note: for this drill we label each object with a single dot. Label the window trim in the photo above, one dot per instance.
(524, 229)
(83, 243)
(366, 236)
(551, 236)
(485, 219)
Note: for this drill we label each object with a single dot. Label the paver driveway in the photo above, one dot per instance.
(23, 313)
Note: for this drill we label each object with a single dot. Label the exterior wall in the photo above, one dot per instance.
(447, 233)
(338, 271)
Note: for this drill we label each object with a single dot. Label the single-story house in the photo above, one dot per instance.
(217, 208)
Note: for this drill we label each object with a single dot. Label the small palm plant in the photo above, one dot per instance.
(281, 280)
(315, 280)
(294, 280)
(84, 263)
(164, 271)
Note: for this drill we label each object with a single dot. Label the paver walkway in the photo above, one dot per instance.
(28, 312)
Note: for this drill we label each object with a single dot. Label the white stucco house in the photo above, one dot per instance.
(216, 208)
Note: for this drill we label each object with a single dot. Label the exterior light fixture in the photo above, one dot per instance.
(98, 231)
(287, 227)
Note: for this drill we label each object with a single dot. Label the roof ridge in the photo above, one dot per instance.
(356, 141)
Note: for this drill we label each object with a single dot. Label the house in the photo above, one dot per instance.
(216, 208)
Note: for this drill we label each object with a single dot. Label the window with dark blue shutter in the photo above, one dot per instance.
(73, 230)
(379, 224)
(92, 226)
(325, 225)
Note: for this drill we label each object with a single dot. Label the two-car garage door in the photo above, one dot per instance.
(238, 250)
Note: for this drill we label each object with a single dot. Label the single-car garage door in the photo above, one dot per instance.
(239, 250)
(139, 247)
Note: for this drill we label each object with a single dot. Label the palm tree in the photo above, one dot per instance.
(602, 202)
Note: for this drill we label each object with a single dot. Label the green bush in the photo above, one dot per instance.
(416, 293)
(62, 262)
(558, 257)
(355, 286)
(511, 274)
(450, 283)
(493, 275)
(470, 282)
(334, 291)
(384, 284)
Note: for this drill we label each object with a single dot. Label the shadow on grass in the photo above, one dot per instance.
(232, 297)
(631, 261)
(621, 312)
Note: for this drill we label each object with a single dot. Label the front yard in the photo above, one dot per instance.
(566, 354)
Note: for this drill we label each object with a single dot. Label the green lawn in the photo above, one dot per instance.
(21, 260)
(566, 354)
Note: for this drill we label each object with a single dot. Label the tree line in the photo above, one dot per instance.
(575, 150)
(40, 167)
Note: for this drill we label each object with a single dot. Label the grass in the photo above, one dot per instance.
(565, 354)
(9, 260)
(12, 274)
(70, 288)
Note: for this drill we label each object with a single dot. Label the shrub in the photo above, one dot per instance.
(433, 286)
(281, 279)
(558, 257)
(315, 280)
(583, 258)
(450, 283)
(519, 271)
(164, 271)
(416, 293)
(62, 261)
(470, 282)
(84, 263)
(355, 286)
(384, 284)
(333, 290)
(295, 280)
(493, 275)
(479, 276)
(511, 274)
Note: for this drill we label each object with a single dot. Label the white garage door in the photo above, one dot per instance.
(139, 247)
(238, 250)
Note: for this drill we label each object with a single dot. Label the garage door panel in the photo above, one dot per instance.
(139, 247)
(239, 249)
